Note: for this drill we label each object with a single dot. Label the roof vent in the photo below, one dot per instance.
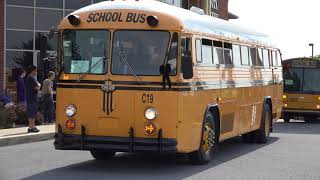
(197, 10)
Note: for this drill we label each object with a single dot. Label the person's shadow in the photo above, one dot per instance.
(149, 166)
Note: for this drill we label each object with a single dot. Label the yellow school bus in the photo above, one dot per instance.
(301, 96)
(145, 76)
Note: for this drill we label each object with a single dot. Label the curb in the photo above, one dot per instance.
(22, 139)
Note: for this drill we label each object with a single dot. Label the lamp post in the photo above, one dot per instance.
(312, 46)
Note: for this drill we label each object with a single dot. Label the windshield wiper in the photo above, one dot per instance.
(124, 60)
(83, 75)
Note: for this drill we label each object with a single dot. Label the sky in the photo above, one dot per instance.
(292, 24)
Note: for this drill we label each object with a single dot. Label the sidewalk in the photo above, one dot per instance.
(19, 135)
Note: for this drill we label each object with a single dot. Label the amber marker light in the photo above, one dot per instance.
(284, 96)
(285, 105)
(71, 124)
(150, 128)
(318, 106)
(319, 98)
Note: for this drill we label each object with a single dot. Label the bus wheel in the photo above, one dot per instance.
(286, 118)
(262, 135)
(102, 155)
(209, 142)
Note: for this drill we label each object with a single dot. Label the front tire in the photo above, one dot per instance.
(102, 155)
(209, 142)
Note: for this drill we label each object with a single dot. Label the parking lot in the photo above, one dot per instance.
(293, 153)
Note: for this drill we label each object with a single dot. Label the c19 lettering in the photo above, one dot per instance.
(147, 98)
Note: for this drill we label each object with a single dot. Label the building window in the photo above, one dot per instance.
(214, 4)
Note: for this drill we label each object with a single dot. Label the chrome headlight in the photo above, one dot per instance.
(150, 113)
(71, 110)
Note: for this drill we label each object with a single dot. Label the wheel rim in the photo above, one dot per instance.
(208, 140)
(267, 124)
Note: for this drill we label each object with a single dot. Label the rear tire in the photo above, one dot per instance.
(286, 119)
(209, 142)
(102, 155)
(262, 135)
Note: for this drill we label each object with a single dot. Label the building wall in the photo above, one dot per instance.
(2, 74)
(223, 9)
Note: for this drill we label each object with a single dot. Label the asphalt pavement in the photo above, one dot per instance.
(293, 153)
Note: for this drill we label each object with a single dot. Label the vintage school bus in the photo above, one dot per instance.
(301, 96)
(140, 76)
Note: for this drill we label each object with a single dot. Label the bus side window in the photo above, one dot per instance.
(278, 59)
(260, 57)
(236, 52)
(185, 46)
(172, 58)
(274, 59)
(266, 57)
(207, 51)
(199, 50)
(182, 49)
(253, 56)
(218, 52)
(245, 55)
(227, 50)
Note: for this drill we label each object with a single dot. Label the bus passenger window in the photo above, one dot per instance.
(259, 57)
(266, 57)
(236, 55)
(274, 58)
(218, 52)
(245, 55)
(172, 58)
(253, 56)
(278, 59)
(207, 51)
(227, 50)
(198, 50)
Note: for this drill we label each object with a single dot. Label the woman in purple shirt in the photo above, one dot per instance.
(21, 89)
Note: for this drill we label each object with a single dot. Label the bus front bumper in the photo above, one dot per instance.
(299, 112)
(116, 144)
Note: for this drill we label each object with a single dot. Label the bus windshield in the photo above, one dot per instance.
(86, 51)
(302, 80)
(139, 52)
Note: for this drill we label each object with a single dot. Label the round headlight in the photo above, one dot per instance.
(71, 110)
(150, 113)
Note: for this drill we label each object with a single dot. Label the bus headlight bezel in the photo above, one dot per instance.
(71, 110)
(150, 113)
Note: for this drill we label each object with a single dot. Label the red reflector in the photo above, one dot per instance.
(71, 124)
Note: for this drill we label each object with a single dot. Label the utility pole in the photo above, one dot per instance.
(312, 46)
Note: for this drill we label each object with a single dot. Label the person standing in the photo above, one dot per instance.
(21, 89)
(32, 89)
(47, 92)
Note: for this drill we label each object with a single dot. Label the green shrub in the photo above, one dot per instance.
(5, 120)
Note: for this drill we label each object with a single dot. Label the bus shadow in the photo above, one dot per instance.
(298, 127)
(149, 166)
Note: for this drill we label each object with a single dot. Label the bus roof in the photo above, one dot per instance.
(301, 62)
(191, 21)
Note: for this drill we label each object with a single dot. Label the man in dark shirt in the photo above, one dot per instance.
(32, 88)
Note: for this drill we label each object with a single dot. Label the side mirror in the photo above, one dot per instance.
(187, 66)
(52, 32)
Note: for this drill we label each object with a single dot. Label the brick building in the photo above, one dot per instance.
(24, 22)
